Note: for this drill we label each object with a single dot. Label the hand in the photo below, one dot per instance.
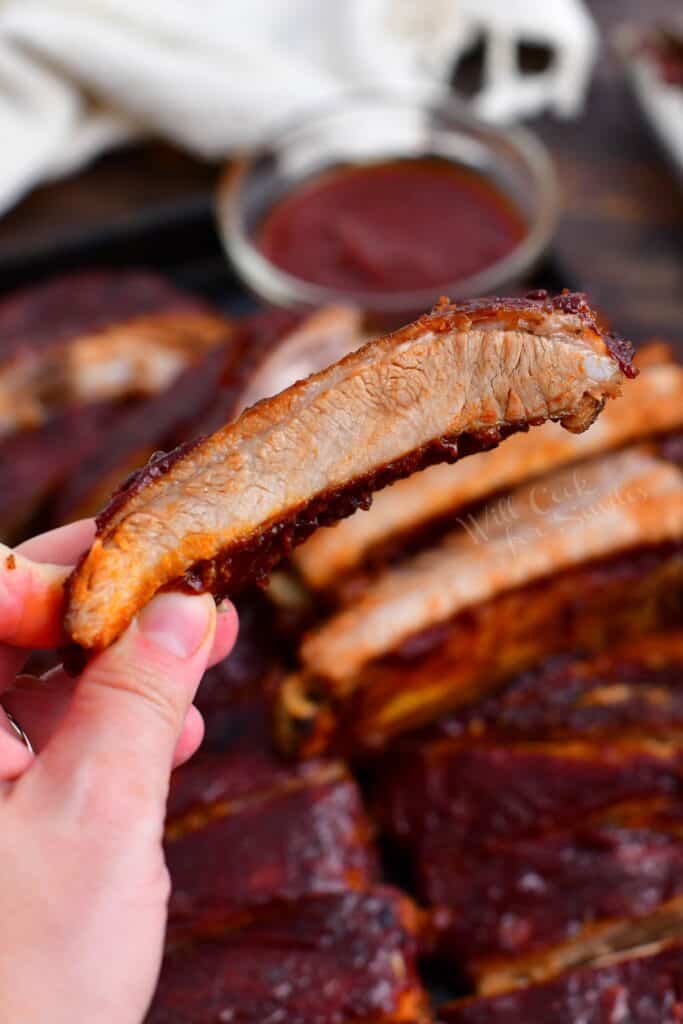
(83, 883)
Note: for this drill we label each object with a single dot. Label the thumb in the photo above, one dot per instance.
(113, 752)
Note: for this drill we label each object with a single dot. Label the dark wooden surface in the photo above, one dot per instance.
(620, 237)
(622, 227)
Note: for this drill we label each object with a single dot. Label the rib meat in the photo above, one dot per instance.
(429, 502)
(230, 859)
(533, 906)
(487, 792)
(634, 689)
(34, 463)
(344, 958)
(97, 336)
(225, 509)
(574, 561)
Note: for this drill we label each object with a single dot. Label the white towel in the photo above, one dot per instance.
(79, 76)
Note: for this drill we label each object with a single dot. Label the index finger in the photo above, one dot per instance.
(32, 592)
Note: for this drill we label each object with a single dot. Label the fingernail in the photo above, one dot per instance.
(176, 623)
(224, 606)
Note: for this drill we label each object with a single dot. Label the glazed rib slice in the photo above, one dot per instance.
(227, 508)
(481, 793)
(539, 856)
(344, 958)
(230, 860)
(424, 503)
(574, 562)
(530, 907)
(97, 336)
(641, 986)
(635, 688)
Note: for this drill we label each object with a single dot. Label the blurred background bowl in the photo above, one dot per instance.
(366, 130)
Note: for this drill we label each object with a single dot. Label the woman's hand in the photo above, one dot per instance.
(83, 884)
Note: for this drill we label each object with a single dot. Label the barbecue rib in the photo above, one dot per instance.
(643, 986)
(539, 857)
(634, 689)
(485, 793)
(229, 860)
(571, 562)
(97, 336)
(410, 509)
(540, 845)
(343, 958)
(225, 509)
(533, 906)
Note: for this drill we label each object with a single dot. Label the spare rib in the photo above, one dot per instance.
(573, 561)
(225, 509)
(623, 501)
(440, 492)
(96, 337)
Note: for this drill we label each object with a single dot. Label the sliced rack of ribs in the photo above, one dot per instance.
(222, 511)
(543, 838)
(97, 336)
(644, 986)
(576, 560)
(414, 511)
(343, 958)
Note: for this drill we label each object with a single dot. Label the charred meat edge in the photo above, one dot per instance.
(501, 364)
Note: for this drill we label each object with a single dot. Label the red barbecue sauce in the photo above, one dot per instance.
(391, 227)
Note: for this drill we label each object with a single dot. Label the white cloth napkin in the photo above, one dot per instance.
(78, 76)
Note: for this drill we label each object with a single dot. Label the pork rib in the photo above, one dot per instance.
(94, 337)
(433, 498)
(224, 510)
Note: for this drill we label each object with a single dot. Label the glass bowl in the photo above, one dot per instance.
(366, 129)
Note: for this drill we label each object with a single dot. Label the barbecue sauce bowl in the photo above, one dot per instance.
(386, 204)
